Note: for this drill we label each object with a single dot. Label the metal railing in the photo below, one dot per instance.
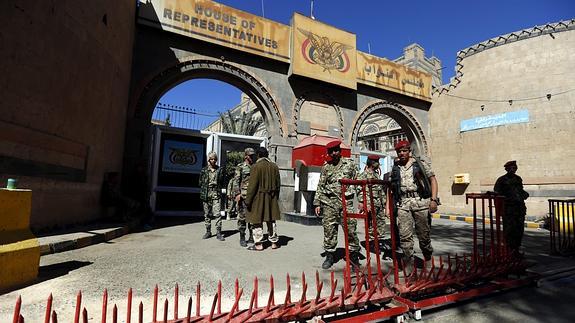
(561, 226)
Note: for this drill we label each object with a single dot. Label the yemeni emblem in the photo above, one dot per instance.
(325, 53)
(184, 157)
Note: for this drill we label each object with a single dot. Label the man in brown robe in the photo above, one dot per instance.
(262, 199)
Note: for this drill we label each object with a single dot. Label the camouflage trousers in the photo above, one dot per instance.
(332, 218)
(258, 232)
(242, 211)
(414, 211)
(212, 210)
(514, 225)
(380, 219)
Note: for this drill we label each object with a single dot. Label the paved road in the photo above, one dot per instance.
(177, 254)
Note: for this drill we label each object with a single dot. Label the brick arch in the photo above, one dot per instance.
(401, 115)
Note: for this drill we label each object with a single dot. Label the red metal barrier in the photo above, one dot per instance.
(562, 226)
(442, 280)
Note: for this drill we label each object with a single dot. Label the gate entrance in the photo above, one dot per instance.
(299, 86)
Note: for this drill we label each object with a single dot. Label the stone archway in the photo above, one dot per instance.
(317, 97)
(401, 115)
(138, 135)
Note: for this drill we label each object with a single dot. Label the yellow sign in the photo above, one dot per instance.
(218, 24)
(381, 73)
(323, 52)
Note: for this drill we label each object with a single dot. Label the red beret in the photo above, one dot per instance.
(333, 144)
(401, 144)
(510, 163)
(373, 157)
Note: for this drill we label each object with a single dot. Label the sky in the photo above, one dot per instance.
(442, 27)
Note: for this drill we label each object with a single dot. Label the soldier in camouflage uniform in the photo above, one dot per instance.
(510, 185)
(414, 189)
(211, 182)
(242, 177)
(371, 171)
(328, 201)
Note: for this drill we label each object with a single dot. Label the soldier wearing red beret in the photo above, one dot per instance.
(328, 202)
(510, 185)
(414, 188)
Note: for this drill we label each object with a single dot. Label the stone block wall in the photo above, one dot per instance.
(65, 69)
(523, 67)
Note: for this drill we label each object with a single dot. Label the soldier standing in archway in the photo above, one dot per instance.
(242, 178)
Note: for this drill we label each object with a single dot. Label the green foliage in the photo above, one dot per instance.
(242, 124)
(233, 159)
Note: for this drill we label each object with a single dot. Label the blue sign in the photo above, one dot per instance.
(182, 157)
(494, 120)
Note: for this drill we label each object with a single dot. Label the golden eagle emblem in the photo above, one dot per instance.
(331, 55)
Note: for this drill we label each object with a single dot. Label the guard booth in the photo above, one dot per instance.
(178, 158)
(307, 159)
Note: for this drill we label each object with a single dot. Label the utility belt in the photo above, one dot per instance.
(409, 194)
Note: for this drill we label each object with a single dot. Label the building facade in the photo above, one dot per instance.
(513, 98)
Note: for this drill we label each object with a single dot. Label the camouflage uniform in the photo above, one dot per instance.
(242, 177)
(210, 182)
(413, 209)
(379, 199)
(232, 209)
(511, 186)
(328, 196)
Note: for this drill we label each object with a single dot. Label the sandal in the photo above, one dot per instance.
(256, 248)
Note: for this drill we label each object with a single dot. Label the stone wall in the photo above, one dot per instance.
(524, 67)
(65, 69)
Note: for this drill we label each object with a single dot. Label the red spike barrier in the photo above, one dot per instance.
(441, 281)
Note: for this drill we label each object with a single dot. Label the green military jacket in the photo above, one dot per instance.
(211, 183)
(242, 179)
(329, 188)
(378, 190)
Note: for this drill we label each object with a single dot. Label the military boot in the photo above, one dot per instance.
(328, 262)
(219, 235)
(207, 234)
(243, 239)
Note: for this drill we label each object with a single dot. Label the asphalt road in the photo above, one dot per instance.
(175, 253)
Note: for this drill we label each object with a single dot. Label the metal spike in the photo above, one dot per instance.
(104, 305)
(48, 309)
(219, 297)
(129, 308)
(17, 309)
(78, 307)
(176, 300)
(141, 313)
(115, 314)
(155, 305)
(165, 311)
(198, 290)
(84, 316)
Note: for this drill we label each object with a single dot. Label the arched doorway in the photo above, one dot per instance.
(144, 102)
(379, 125)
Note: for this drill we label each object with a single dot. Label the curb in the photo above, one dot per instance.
(469, 219)
(82, 242)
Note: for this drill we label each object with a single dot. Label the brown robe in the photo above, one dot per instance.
(263, 192)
